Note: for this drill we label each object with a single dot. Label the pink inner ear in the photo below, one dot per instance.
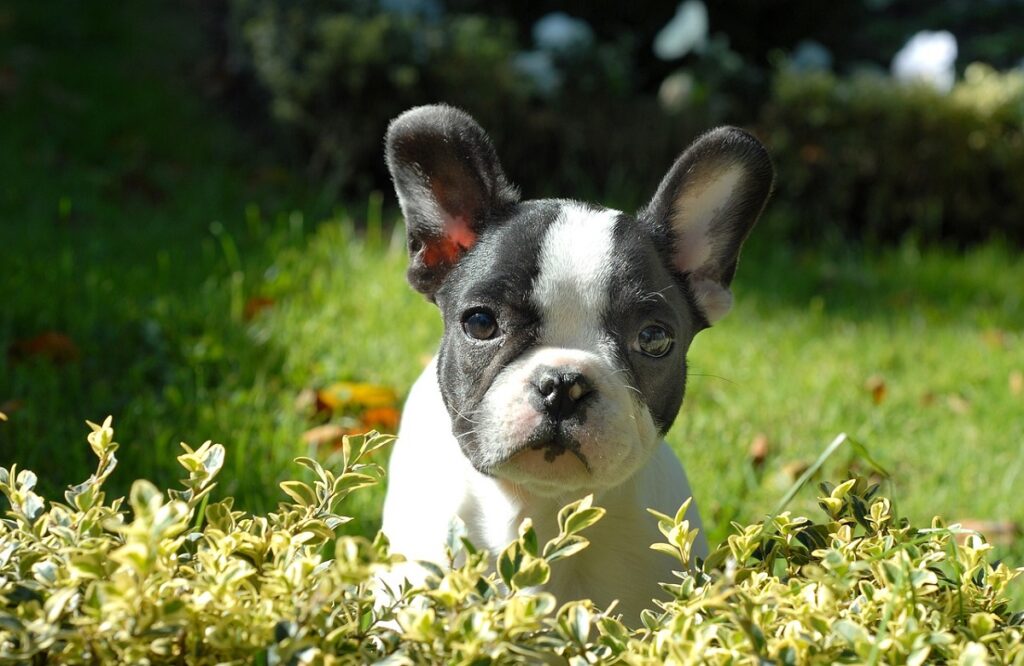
(457, 229)
(458, 238)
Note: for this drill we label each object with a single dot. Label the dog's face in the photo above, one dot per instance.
(564, 348)
(563, 361)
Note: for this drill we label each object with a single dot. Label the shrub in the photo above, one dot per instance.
(335, 73)
(180, 579)
(859, 155)
(867, 157)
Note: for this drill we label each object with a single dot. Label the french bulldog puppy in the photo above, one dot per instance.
(563, 359)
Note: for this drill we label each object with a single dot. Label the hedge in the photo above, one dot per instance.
(870, 157)
(174, 577)
(860, 155)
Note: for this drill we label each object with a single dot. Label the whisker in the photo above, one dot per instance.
(704, 374)
(465, 418)
(616, 371)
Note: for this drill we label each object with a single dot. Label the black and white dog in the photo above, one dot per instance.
(563, 360)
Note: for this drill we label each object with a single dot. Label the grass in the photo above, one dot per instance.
(140, 223)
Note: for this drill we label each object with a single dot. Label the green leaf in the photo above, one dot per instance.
(144, 497)
(851, 632)
(583, 519)
(531, 572)
(508, 563)
(528, 537)
(576, 620)
(350, 481)
(560, 549)
(572, 508)
(456, 535)
(300, 492)
(26, 480)
(58, 602)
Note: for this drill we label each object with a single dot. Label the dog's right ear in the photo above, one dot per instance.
(449, 183)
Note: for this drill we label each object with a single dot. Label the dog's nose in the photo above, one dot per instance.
(562, 392)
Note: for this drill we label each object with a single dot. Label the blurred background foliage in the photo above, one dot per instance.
(581, 91)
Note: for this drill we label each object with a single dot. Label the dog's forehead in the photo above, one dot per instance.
(566, 261)
(574, 277)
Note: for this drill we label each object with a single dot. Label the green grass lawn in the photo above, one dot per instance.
(139, 223)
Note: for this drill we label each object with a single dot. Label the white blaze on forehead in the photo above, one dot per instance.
(572, 283)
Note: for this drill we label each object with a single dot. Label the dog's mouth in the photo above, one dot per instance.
(554, 442)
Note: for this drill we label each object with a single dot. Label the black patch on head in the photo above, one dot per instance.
(497, 274)
(646, 291)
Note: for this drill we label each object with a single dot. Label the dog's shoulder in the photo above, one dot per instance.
(425, 488)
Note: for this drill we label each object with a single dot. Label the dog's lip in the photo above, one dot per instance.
(549, 440)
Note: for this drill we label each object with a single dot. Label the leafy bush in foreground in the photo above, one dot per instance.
(184, 580)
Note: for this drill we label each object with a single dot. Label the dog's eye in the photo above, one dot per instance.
(480, 325)
(654, 340)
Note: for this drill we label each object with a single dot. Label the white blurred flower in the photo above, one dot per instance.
(686, 32)
(928, 57)
(540, 69)
(676, 90)
(559, 32)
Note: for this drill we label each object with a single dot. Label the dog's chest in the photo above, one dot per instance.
(617, 565)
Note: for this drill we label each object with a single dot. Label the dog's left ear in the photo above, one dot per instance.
(706, 206)
(449, 183)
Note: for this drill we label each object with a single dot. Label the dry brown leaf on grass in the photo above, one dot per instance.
(812, 153)
(877, 387)
(759, 449)
(994, 338)
(9, 80)
(306, 401)
(958, 404)
(362, 407)
(793, 470)
(329, 433)
(8, 407)
(356, 394)
(381, 418)
(54, 346)
(996, 532)
(1016, 382)
(256, 305)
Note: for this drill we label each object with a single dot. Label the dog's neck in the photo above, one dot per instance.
(490, 496)
(496, 508)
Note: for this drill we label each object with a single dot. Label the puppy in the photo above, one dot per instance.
(563, 359)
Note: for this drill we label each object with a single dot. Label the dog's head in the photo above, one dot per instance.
(563, 361)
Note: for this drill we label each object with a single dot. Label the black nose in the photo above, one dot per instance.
(562, 392)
